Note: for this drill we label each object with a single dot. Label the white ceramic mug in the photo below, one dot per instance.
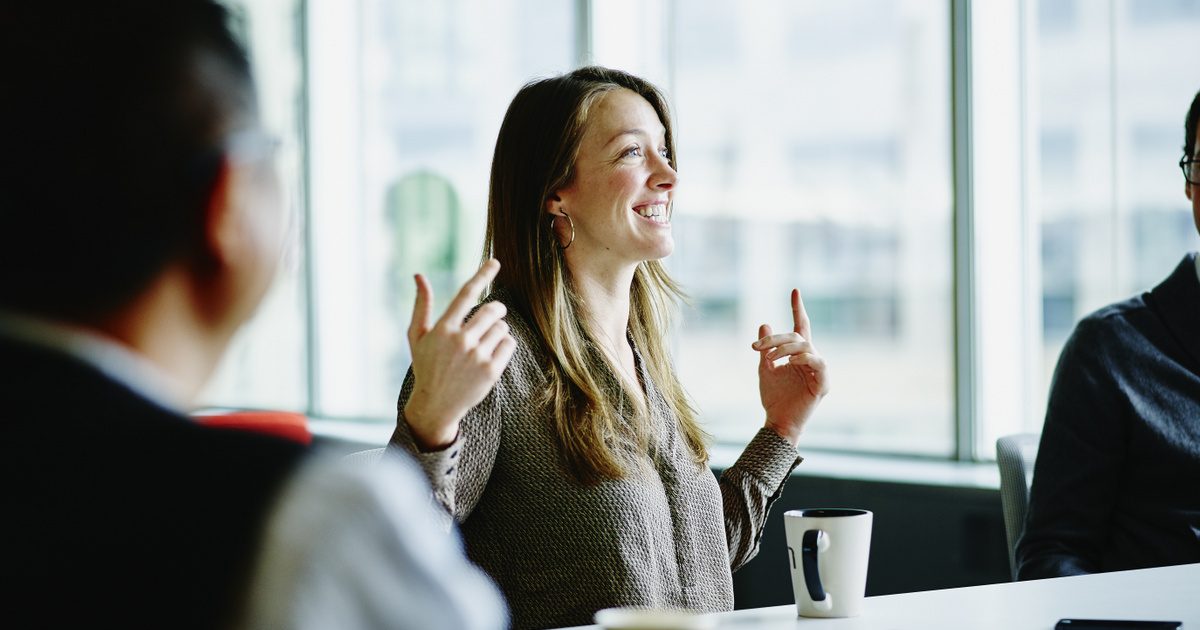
(828, 549)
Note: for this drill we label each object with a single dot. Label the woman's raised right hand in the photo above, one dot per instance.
(455, 363)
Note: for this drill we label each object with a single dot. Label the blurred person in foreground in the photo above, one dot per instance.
(140, 226)
(581, 481)
(1117, 480)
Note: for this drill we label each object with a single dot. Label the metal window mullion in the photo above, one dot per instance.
(584, 38)
(1117, 276)
(965, 363)
(311, 384)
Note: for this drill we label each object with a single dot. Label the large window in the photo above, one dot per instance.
(1103, 99)
(814, 142)
(406, 99)
(1111, 99)
(952, 185)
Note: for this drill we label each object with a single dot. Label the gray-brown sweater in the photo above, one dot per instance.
(668, 536)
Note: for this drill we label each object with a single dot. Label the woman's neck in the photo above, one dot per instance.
(605, 294)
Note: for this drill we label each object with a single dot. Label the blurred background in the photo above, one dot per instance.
(951, 189)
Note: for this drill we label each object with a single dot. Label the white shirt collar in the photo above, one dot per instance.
(113, 359)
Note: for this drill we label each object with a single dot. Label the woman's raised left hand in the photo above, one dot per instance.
(791, 390)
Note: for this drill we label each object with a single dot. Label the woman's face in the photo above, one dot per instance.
(620, 199)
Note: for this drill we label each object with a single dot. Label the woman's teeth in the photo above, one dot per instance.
(656, 212)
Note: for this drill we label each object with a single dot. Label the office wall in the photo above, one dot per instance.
(925, 537)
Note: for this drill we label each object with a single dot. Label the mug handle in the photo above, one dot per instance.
(814, 542)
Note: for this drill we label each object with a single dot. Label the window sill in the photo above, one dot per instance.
(855, 467)
(880, 468)
(365, 434)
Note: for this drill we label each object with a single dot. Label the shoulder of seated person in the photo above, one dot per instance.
(1110, 322)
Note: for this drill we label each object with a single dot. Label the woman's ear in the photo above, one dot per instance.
(554, 204)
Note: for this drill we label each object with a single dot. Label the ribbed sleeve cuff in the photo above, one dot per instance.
(440, 466)
(768, 458)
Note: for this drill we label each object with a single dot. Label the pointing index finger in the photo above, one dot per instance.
(422, 309)
(800, 316)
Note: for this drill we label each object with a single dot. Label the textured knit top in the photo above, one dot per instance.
(667, 535)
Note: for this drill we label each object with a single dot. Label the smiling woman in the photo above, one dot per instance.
(561, 276)
(580, 481)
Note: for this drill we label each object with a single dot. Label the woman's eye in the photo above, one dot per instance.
(632, 152)
(665, 153)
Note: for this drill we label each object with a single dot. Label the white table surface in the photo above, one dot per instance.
(1169, 593)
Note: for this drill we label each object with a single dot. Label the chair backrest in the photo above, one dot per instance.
(285, 424)
(1015, 455)
(365, 458)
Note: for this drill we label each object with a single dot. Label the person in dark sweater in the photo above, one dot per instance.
(1117, 480)
(140, 226)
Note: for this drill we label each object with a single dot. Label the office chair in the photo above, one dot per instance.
(365, 458)
(1015, 455)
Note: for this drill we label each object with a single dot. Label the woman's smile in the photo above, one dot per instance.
(657, 213)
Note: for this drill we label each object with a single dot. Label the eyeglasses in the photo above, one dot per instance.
(1191, 170)
(251, 146)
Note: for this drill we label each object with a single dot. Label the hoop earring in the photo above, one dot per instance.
(571, 223)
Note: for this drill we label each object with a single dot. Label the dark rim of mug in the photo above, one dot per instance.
(826, 512)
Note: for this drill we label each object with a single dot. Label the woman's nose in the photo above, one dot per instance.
(664, 176)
